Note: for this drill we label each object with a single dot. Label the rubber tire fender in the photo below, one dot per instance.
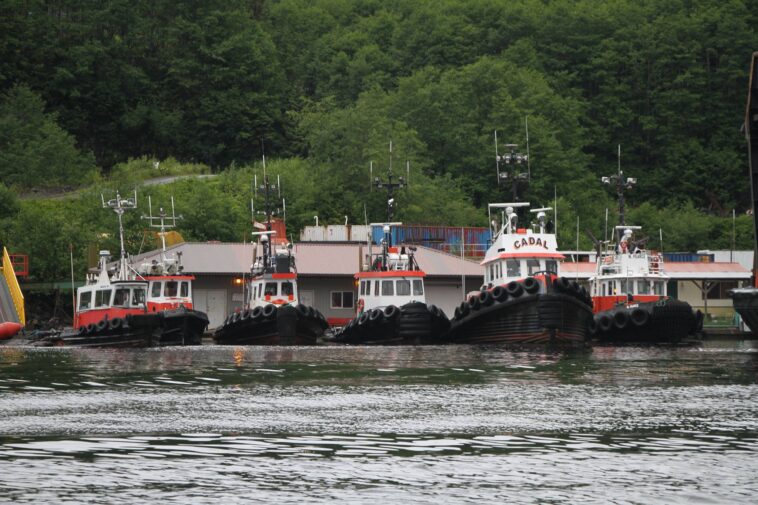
(391, 312)
(302, 310)
(256, 313)
(236, 317)
(474, 303)
(604, 322)
(592, 328)
(639, 317)
(485, 299)
(363, 318)
(463, 310)
(499, 294)
(245, 315)
(103, 324)
(376, 316)
(116, 323)
(562, 284)
(514, 289)
(269, 311)
(621, 319)
(531, 285)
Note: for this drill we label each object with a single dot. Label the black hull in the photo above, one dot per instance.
(664, 321)
(414, 323)
(745, 302)
(137, 330)
(287, 325)
(182, 327)
(543, 319)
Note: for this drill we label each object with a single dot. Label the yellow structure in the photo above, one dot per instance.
(13, 287)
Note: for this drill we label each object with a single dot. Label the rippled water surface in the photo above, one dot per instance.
(454, 424)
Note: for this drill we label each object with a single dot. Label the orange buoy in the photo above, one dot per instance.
(9, 329)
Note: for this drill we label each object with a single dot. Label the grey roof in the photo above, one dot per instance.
(311, 258)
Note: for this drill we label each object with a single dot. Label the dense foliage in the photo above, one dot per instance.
(324, 85)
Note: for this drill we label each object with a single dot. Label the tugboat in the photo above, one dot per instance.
(524, 301)
(392, 308)
(111, 310)
(169, 292)
(272, 314)
(630, 300)
(745, 299)
(629, 289)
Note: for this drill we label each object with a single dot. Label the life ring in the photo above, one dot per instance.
(608, 260)
(360, 305)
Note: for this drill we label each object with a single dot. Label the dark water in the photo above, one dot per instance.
(452, 424)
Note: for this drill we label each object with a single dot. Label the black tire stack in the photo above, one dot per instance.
(664, 321)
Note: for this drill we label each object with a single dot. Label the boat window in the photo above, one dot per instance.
(138, 297)
(286, 289)
(184, 293)
(512, 268)
(658, 288)
(643, 287)
(492, 271)
(121, 298)
(155, 290)
(363, 288)
(403, 287)
(171, 289)
(387, 288)
(102, 298)
(418, 287)
(270, 289)
(624, 287)
(85, 300)
(604, 288)
(532, 266)
(376, 288)
(551, 266)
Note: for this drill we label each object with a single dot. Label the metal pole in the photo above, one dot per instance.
(463, 274)
(73, 289)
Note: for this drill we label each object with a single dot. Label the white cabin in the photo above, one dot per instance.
(397, 282)
(516, 252)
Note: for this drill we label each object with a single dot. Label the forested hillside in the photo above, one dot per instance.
(323, 86)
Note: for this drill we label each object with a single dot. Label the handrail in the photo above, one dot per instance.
(13, 287)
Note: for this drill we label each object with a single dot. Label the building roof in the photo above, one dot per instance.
(311, 258)
(675, 270)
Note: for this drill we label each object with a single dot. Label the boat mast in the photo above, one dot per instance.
(618, 182)
(159, 222)
(511, 173)
(390, 187)
(119, 206)
(267, 188)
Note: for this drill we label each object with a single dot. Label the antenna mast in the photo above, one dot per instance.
(159, 222)
(619, 183)
(513, 160)
(119, 206)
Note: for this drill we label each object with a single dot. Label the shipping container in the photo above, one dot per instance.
(685, 257)
(475, 240)
(337, 233)
(313, 234)
(360, 233)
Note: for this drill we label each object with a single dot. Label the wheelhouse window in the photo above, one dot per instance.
(643, 288)
(376, 288)
(171, 289)
(363, 288)
(418, 287)
(403, 287)
(184, 290)
(121, 298)
(85, 300)
(658, 287)
(532, 266)
(551, 266)
(270, 289)
(342, 299)
(155, 290)
(138, 297)
(512, 268)
(387, 288)
(287, 289)
(624, 287)
(103, 298)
